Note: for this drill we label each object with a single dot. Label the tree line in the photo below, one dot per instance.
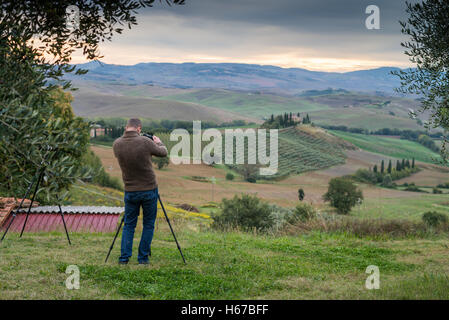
(285, 120)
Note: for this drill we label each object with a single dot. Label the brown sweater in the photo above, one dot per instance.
(134, 157)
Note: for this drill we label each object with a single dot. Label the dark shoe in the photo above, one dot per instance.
(123, 262)
(144, 262)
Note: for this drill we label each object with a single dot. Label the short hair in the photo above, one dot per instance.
(134, 122)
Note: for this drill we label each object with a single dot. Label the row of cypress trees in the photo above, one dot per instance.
(400, 165)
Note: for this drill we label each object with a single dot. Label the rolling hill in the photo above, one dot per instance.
(397, 148)
(255, 104)
(237, 76)
(326, 107)
(90, 103)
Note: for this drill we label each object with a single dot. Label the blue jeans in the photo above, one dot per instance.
(133, 201)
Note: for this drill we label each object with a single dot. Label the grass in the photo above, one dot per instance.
(410, 208)
(223, 266)
(248, 104)
(398, 148)
(362, 117)
(231, 265)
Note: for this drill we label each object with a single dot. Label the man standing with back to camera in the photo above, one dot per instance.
(134, 152)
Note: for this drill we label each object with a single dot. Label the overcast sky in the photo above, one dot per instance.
(327, 35)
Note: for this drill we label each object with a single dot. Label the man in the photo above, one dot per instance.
(134, 152)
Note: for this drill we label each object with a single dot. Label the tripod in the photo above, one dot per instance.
(38, 176)
(169, 224)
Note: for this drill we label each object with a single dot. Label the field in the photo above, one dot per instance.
(236, 265)
(304, 148)
(397, 148)
(229, 265)
(351, 109)
(379, 202)
(248, 103)
(90, 103)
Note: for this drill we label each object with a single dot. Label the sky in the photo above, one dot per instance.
(319, 35)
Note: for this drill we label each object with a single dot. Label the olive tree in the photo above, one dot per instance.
(37, 125)
(343, 194)
(428, 30)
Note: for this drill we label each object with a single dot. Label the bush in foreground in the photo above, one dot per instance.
(246, 212)
(434, 219)
(303, 212)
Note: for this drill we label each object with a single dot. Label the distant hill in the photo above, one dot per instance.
(240, 77)
(326, 107)
(90, 103)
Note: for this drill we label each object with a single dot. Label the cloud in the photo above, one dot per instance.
(315, 34)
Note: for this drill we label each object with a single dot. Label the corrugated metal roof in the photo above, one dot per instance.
(76, 209)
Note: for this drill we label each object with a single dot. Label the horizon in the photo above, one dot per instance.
(235, 63)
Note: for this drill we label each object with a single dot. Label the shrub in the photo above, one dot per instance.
(279, 215)
(303, 212)
(387, 181)
(434, 219)
(246, 212)
(411, 187)
(366, 176)
(188, 207)
(95, 172)
(436, 191)
(301, 194)
(251, 180)
(161, 162)
(342, 194)
(229, 176)
(199, 178)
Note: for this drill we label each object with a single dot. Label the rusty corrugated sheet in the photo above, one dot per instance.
(78, 219)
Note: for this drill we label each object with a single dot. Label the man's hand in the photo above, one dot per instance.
(156, 140)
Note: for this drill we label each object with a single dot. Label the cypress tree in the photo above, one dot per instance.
(375, 168)
(382, 167)
(389, 166)
(413, 163)
(398, 166)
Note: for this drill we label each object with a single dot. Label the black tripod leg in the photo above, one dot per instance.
(169, 224)
(32, 200)
(116, 234)
(65, 226)
(20, 206)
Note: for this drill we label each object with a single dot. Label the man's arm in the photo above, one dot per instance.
(114, 148)
(157, 148)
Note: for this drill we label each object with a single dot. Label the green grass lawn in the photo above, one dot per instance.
(229, 265)
(397, 148)
(402, 208)
(224, 266)
(248, 104)
(362, 117)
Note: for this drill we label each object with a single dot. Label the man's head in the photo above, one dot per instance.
(134, 125)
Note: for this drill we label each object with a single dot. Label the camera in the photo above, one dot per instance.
(148, 135)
